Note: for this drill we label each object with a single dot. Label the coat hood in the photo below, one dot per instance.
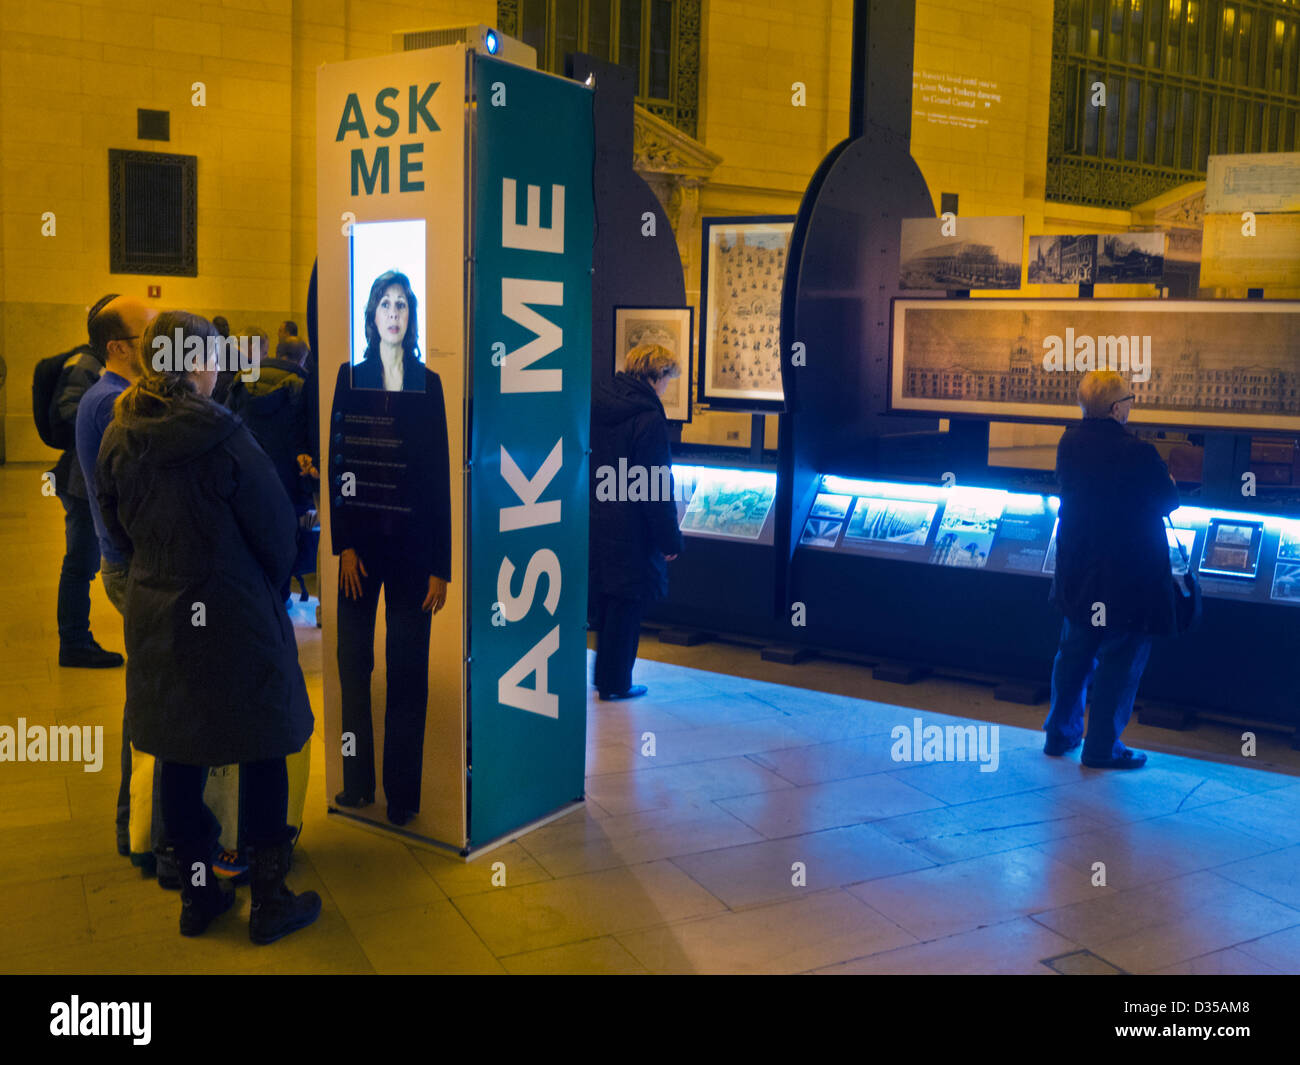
(622, 398)
(175, 431)
(273, 388)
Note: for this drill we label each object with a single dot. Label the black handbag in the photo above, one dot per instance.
(1187, 591)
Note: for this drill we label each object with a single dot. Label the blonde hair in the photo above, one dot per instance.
(653, 362)
(1099, 391)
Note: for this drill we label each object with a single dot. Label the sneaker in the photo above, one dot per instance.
(91, 656)
(231, 865)
(352, 802)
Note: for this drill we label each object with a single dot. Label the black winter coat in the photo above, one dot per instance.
(1111, 546)
(191, 498)
(274, 409)
(629, 537)
(75, 380)
(396, 445)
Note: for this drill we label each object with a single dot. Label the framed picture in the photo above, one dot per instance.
(982, 253)
(1212, 364)
(670, 327)
(742, 273)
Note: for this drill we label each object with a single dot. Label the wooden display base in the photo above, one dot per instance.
(1170, 717)
(1027, 693)
(900, 672)
(685, 637)
(787, 654)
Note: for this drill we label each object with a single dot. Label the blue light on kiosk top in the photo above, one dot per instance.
(735, 477)
(928, 493)
(493, 42)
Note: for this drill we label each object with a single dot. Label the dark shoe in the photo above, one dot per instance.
(631, 693)
(200, 903)
(1055, 746)
(276, 910)
(353, 802)
(92, 656)
(1130, 759)
(124, 844)
(168, 873)
(399, 816)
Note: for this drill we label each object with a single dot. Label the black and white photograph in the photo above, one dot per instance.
(1130, 258)
(1286, 582)
(828, 505)
(980, 253)
(897, 521)
(821, 532)
(668, 327)
(1062, 259)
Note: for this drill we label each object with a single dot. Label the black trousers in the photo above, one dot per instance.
(407, 697)
(618, 630)
(263, 803)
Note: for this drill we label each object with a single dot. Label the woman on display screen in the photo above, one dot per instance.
(390, 489)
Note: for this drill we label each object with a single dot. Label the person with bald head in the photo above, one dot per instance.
(115, 331)
(1113, 580)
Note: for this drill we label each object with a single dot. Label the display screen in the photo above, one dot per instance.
(387, 270)
(1231, 548)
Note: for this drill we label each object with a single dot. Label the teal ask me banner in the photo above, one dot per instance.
(533, 230)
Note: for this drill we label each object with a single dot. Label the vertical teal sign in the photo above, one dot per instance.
(533, 230)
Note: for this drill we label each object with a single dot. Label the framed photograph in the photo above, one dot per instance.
(670, 327)
(742, 273)
(981, 253)
(1207, 364)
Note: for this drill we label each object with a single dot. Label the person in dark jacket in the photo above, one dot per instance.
(190, 498)
(1113, 581)
(390, 523)
(77, 647)
(634, 533)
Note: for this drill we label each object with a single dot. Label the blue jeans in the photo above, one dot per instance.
(80, 564)
(1112, 664)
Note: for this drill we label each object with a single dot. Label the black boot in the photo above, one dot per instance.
(276, 910)
(201, 902)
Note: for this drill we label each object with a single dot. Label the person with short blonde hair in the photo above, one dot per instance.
(1113, 579)
(1101, 390)
(652, 363)
(634, 533)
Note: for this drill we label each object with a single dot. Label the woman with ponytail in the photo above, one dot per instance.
(212, 671)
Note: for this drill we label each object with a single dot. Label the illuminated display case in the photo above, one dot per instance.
(725, 504)
(1236, 555)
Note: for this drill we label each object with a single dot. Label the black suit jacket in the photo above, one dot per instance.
(395, 445)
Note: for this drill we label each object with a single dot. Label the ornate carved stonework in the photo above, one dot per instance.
(674, 165)
(1181, 213)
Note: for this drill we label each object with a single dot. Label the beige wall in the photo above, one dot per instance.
(72, 75)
